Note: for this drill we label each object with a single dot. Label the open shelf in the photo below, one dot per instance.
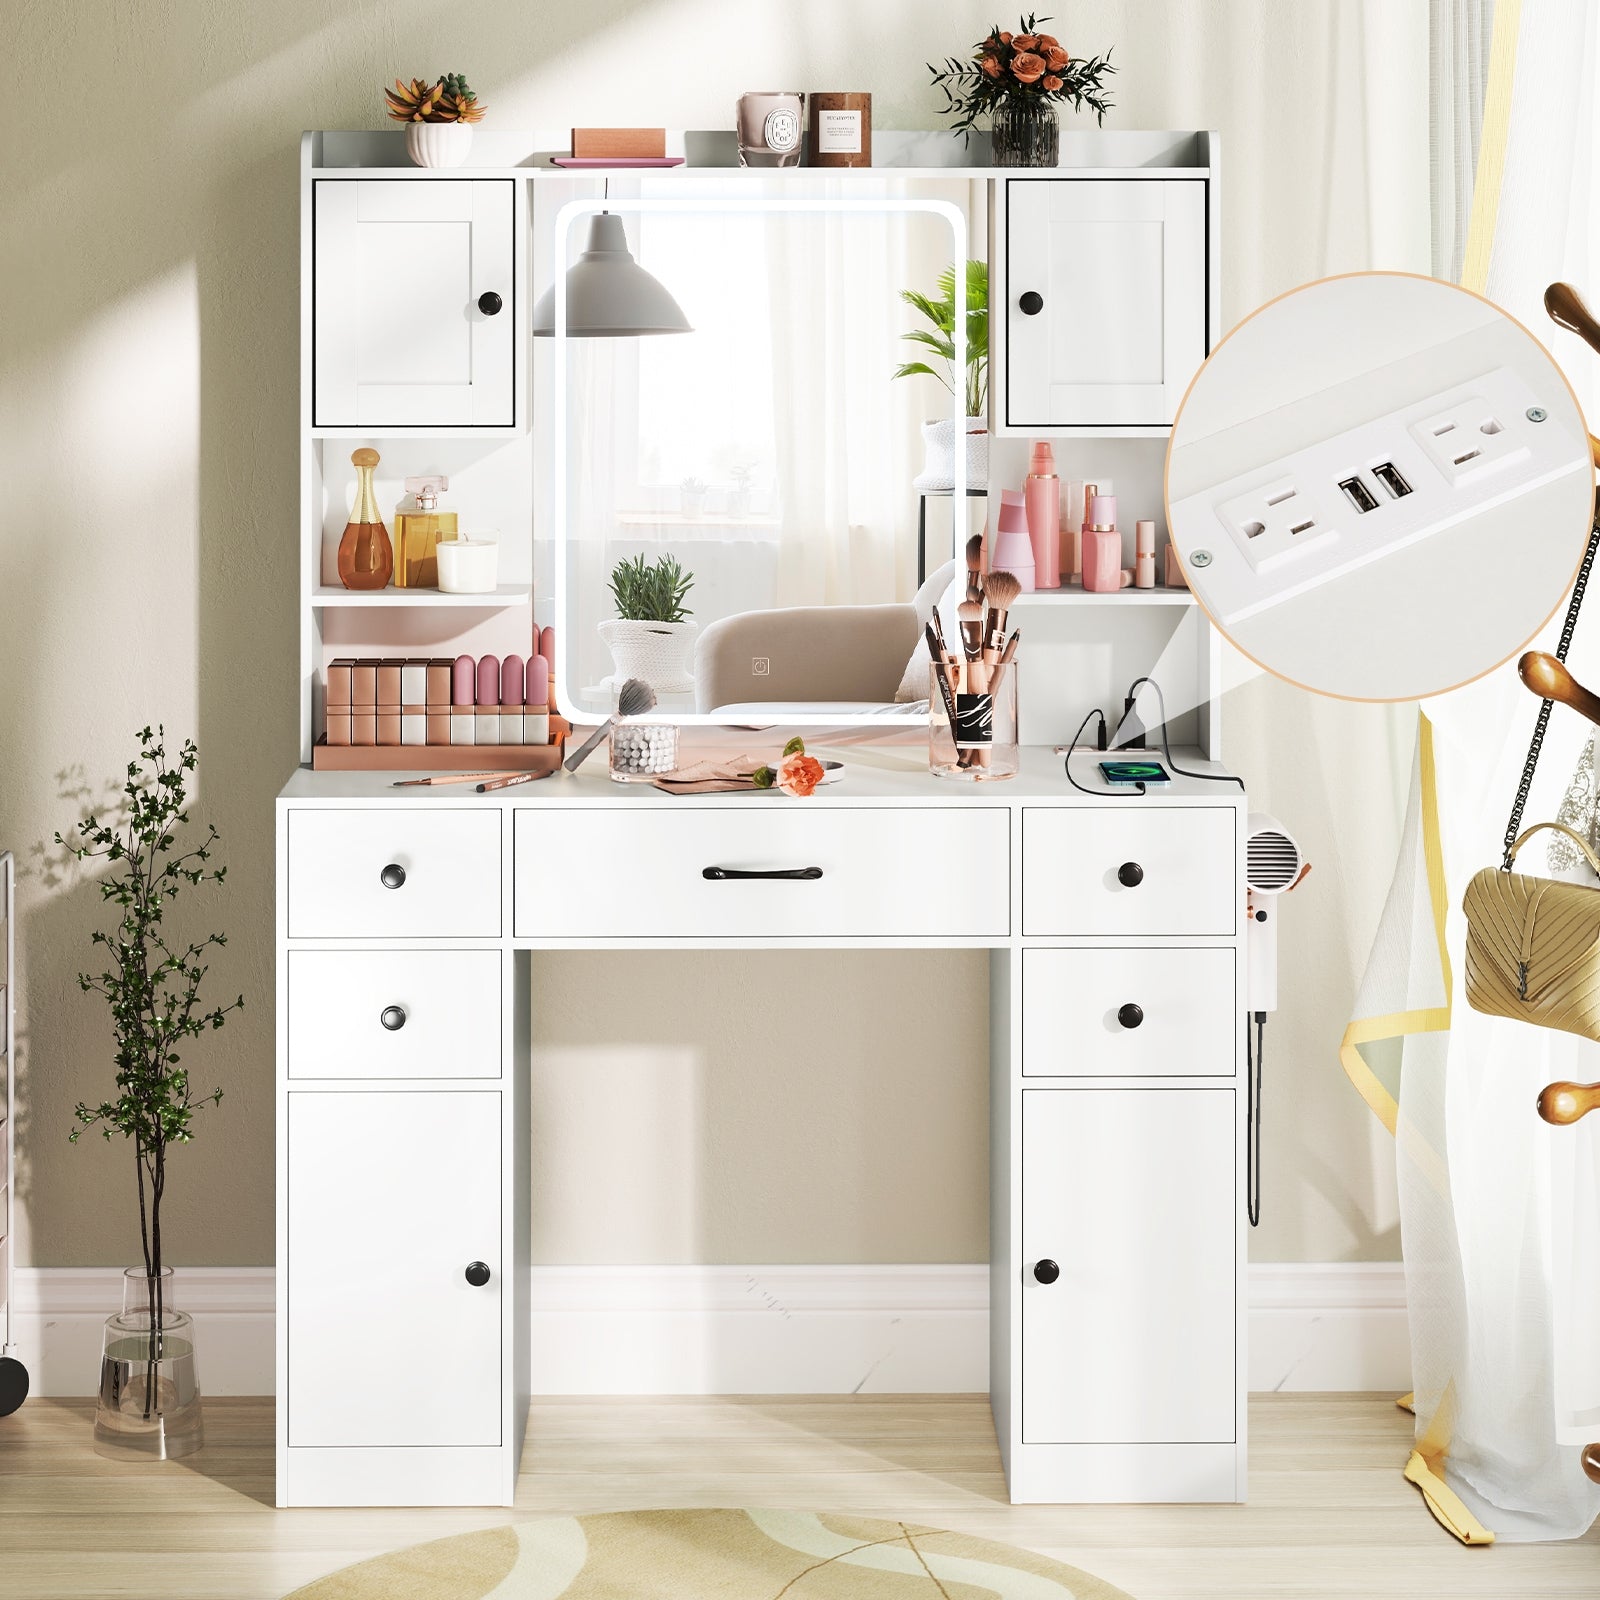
(500, 599)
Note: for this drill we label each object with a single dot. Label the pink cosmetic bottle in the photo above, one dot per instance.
(1012, 550)
(1101, 546)
(1043, 494)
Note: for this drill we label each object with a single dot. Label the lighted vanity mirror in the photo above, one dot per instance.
(770, 457)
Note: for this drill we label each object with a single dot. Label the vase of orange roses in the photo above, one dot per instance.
(1016, 81)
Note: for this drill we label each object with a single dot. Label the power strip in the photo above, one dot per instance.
(1266, 536)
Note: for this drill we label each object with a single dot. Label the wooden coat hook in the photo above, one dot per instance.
(1550, 680)
(1591, 1462)
(1564, 1103)
(1567, 310)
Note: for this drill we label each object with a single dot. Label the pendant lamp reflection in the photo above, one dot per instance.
(609, 295)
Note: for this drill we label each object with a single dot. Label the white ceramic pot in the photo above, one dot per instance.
(655, 651)
(438, 144)
(939, 461)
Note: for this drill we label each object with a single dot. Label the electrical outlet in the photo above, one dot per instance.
(1299, 522)
(1469, 442)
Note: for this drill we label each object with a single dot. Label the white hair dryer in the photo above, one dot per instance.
(1274, 865)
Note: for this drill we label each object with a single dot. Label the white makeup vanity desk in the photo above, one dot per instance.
(407, 918)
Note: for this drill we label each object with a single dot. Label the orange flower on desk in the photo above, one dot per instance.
(799, 774)
(1052, 83)
(990, 66)
(1054, 56)
(1025, 41)
(1026, 67)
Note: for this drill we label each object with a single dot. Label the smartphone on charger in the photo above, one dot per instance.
(1134, 772)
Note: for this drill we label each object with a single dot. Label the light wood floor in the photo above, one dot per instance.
(1329, 1514)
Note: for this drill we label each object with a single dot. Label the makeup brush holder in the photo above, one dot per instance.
(982, 746)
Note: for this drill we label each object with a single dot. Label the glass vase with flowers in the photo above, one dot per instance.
(1016, 81)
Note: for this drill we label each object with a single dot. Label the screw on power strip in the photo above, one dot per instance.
(1302, 520)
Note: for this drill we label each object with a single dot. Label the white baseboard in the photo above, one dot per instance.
(743, 1330)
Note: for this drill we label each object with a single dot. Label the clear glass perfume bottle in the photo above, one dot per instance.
(419, 527)
(366, 558)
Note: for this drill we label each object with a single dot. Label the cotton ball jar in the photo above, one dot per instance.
(642, 751)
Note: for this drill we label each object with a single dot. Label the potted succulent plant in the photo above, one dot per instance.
(1017, 80)
(149, 1396)
(650, 635)
(438, 118)
(971, 384)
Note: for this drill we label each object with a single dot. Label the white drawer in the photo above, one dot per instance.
(935, 872)
(447, 885)
(394, 1013)
(1128, 1013)
(1136, 870)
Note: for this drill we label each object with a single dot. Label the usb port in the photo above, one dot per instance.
(1389, 475)
(1358, 494)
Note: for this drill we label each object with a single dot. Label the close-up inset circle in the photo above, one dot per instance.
(1380, 486)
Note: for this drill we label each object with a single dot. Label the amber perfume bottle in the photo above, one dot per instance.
(419, 526)
(366, 559)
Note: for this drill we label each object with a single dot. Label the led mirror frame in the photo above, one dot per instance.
(565, 218)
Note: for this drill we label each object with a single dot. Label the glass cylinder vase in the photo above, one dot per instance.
(972, 721)
(148, 1406)
(1024, 132)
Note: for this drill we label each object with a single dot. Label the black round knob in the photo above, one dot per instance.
(1130, 1015)
(1130, 874)
(1031, 303)
(393, 1018)
(392, 875)
(477, 1273)
(489, 303)
(1046, 1271)
(1261, 916)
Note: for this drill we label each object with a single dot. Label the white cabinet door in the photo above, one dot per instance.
(1105, 299)
(1131, 1193)
(407, 333)
(392, 1195)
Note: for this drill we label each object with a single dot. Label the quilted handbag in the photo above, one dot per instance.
(1533, 944)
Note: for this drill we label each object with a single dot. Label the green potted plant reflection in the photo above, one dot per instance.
(651, 634)
(149, 1396)
(970, 384)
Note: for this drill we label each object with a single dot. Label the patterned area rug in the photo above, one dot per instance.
(710, 1555)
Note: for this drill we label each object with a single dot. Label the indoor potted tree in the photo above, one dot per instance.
(971, 384)
(650, 635)
(438, 118)
(149, 1396)
(1017, 80)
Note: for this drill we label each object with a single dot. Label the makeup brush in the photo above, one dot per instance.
(975, 567)
(945, 694)
(634, 698)
(999, 594)
(971, 615)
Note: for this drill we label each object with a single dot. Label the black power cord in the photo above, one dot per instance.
(1166, 749)
(1252, 1092)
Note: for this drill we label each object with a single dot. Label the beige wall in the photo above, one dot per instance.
(147, 572)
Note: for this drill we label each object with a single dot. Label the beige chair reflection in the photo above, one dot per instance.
(830, 660)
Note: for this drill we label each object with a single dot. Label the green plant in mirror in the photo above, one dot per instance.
(940, 311)
(152, 980)
(650, 591)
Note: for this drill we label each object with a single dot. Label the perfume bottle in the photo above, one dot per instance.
(1012, 550)
(366, 559)
(419, 526)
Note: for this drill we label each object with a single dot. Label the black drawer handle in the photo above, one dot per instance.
(792, 874)
(393, 1018)
(1031, 303)
(1130, 1015)
(1046, 1271)
(392, 876)
(477, 1273)
(1130, 874)
(489, 303)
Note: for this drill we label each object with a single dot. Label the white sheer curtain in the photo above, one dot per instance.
(1500, 1214)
